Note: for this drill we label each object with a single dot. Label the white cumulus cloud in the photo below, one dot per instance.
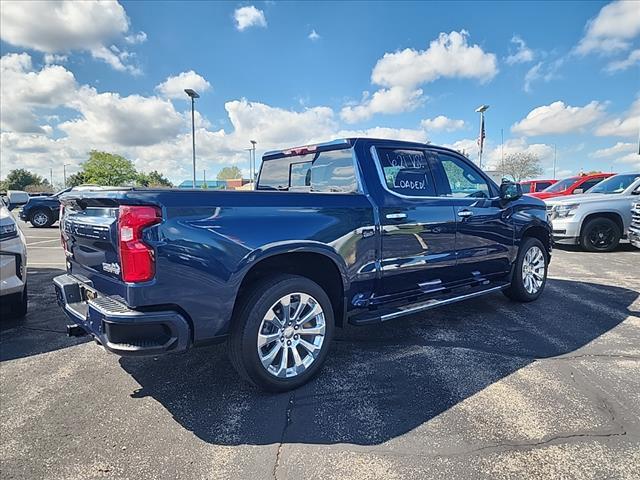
(558, 118)
(64, 26)
(626, 125)
(173, 87)
(448, 56)
(619, 65)
(386, 100)
(612, 29)
(442, 123)
(249, 16)
(523, 54)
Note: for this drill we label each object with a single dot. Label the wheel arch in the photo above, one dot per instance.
(540, 232)
(317, 262)
(611, 215)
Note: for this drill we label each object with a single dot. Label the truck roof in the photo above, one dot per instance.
(341, 143)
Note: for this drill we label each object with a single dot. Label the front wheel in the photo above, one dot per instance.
(280, 337)
(600, 235)
(41, 219)
(530, 272)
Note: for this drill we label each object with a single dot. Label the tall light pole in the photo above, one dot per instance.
(253, 162)
(554, 160)
(64, 173)
(481, 109)
(193, 95)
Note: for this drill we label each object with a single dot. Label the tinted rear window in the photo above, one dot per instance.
(327, 172)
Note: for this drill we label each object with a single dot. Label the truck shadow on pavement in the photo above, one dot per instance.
(382, 381)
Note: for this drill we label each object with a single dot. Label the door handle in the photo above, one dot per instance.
(396, 216)
(465, 213)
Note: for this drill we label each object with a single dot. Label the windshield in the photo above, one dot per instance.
(562, 185)
(615, 184)
(61, 192)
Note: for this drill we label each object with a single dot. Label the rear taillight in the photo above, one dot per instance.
(136, 258)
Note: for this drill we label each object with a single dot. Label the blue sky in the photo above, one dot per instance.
(110, 76)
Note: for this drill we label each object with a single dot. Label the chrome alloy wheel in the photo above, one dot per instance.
(533, 269)
(40, 219)
(291, 334)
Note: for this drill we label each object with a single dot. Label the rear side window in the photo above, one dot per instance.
(326, 172)
(541, 186)
(526, 187)
(464, 180)
(407, 172)
(590, 183)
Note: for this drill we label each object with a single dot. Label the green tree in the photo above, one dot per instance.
(20, 178)
(229, 173)
(153, 179)
(109, 169)
(76, 179)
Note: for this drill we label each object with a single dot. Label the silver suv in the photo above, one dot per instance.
(597, 219)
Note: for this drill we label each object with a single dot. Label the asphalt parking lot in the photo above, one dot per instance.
(483, 389)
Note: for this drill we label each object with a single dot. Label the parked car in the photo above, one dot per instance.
(598, 219)
(571, 186)
(357, 230)
(532, 186)
(633, 234)
(13, 265)
(15, 198)
(43, 211)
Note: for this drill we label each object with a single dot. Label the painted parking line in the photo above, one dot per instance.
(57, 239)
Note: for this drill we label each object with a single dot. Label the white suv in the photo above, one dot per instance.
(13, 265)
(598, 219)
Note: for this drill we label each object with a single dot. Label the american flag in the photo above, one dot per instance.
(481, 137)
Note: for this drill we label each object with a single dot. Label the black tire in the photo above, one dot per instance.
(517, 290)
(600, 234)
(37, 218)
(18, 304)
(242, 344)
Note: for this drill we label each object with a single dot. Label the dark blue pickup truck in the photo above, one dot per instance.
(358, 230)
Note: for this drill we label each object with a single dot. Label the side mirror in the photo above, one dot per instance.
(578, 191)
(510, 191)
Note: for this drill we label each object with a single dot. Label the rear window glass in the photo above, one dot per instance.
(327, 172)
(407, 172)
(541, 186)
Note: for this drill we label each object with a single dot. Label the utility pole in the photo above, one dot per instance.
(502, 152)
(481, 109)
(204, 179)
(51, 177)
(193, 95)
(554, 160)
(64, 173)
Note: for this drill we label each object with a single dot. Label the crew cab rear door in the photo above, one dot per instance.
(417, 227)
(484, 235)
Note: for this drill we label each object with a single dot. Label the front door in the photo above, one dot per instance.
(484, 237)
(418, 228)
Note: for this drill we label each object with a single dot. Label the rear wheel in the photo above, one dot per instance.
(600, 235)
(41, 219)
(282, 333)
(530, 272)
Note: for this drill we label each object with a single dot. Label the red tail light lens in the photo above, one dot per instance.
(136, 258)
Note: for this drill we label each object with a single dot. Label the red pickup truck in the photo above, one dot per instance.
(533, 186)
(571, 186)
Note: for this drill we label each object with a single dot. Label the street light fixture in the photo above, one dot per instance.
(481, 109)
(193, 95)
